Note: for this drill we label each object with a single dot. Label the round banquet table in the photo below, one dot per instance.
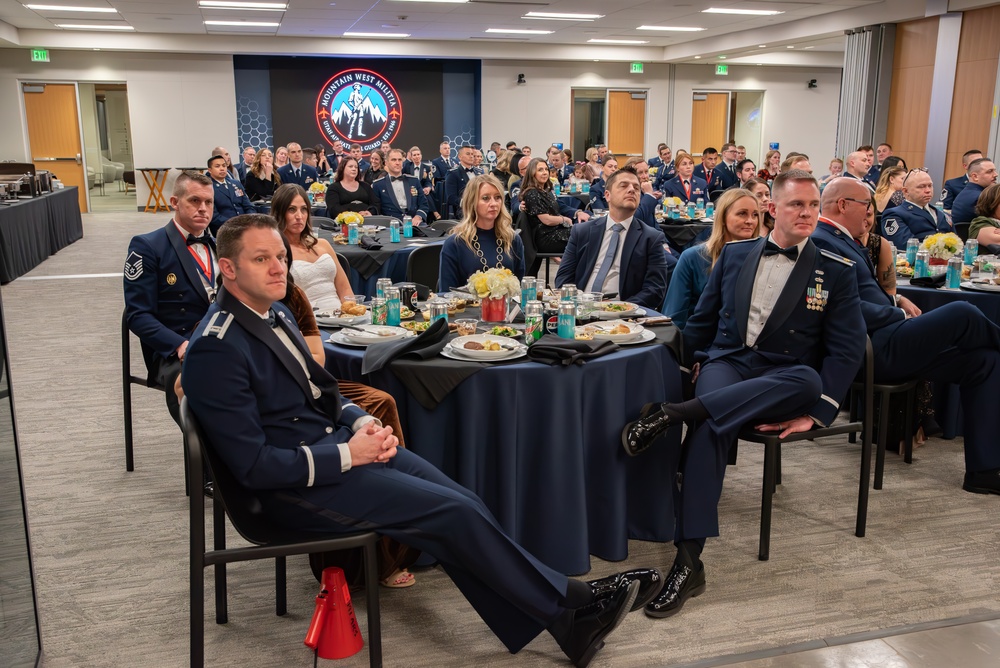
(541, 445)
(947, 398)
(682, 236)
(389, 262)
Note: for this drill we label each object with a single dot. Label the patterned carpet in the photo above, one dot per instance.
(110, 547)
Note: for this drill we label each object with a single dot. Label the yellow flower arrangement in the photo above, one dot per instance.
(317, 187)
(348, 217)
(494, 283)
(942, 245)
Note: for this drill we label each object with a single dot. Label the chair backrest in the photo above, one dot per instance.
(345, 265)
(380, 220)
(325, 223)
(241, 504)
(423, 264)
(962, 230)
(443, 225)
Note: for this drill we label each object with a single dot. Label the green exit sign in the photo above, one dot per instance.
(636, 68)
(722, 70)
(39, 55)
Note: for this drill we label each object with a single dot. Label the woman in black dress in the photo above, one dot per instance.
(347, 193)
(551, 227)
(262, 177)
(377, 170)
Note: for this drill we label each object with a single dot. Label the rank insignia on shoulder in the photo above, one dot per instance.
(838, 258)
(891, 226)
(218, 325)
(133, 266)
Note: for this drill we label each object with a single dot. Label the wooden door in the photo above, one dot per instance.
(626, 123)
(54, 134)
(709, 121)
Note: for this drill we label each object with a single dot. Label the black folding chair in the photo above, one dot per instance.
(962, 230)
(422, 267)
(443, 225)
(269, 541)
(128, 379)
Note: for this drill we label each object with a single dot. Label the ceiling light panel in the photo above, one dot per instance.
(741, 12)
(257, 6)
(246, 24)
(377, 34)
(517, 31)
(617, 41)
(671, 28)
(69, 8)
(562, 16)
(94, 26)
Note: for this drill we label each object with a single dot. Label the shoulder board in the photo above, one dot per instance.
(838, 258)
(742, 241)
(381, 178)
(218, 325)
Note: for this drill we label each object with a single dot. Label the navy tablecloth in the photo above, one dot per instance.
(541, 446)
(32, 230)
(684, 235)
(394, 266)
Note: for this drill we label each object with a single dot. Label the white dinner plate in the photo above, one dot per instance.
(509, 346)
(646, 336)
(343, 321)
(615, 315)
(980, 287)
(450, 353)
(339, 338)
(602, 332)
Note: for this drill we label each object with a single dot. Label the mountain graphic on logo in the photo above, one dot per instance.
(372, 120)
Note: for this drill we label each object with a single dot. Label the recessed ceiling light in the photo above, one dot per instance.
(789, 47)
(56, 8)
(376, 34)
(805, 48)
(617, 41)
(81, 26)
(225, 4)
(762, 46)
(454, 2)
(760, 64)
(518, 31)
(722, 57)
(671, 28)
(244, 24)
(697, 57)
(562, 16)
(743, 12)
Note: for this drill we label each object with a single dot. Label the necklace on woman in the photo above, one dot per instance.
(482, 258)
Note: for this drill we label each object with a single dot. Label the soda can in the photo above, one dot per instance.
(438, 309)
(971, 250)
(380, 311)
(380, 286)
(352, 234)
(567, 293)
(534, 321)
(953, 278)
(408, 295)
(394, 231)
(407, 226)
(529, 290)
(912, 245)
(392, 306)
(567, 320)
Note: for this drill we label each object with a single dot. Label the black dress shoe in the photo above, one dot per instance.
(682, 583)
(581, 632)
(639, 435)
(650, 583)
(983, 482)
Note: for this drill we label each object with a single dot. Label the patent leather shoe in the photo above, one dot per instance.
(983, 482)
(637, 436)
(581, 632)
(682, 583)
(650, 583)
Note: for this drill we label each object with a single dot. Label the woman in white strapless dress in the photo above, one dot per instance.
(314, 264)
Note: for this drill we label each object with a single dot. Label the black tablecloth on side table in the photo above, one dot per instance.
(33, 229)
(541, 445)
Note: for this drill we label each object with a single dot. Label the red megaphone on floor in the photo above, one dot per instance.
(334, 631)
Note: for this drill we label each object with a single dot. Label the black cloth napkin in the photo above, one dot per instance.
(369, 243)
(936, 281)
(425, 345)
(551, 349)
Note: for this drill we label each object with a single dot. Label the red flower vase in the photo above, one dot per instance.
(494, 309)
(343, 229)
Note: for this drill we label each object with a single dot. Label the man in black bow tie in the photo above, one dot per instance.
(170, 279)
(773, 344)
(458, 178)
(400, 194)
(318, 463)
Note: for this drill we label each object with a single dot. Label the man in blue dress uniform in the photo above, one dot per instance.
(400, 194)
(954, 343)
(982, 173)
(230, 199)
(316, 462)
(296, 171)
(415, 165)
(597, 198)
(170, 282)
(249, 153)
(708, 172)
(458, 178)
(915, 217)
(954, 186)
(776, 335)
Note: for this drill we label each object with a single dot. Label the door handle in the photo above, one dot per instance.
(76, 159)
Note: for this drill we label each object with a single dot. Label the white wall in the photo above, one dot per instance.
(180, 105)
(797, 117)
(538, 113)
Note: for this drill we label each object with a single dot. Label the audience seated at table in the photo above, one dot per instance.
(249, 153)
(399, 194)
(954, 186)
(745, 170)
(685, 185)
(231, 170)
(597, 199)
(557, 164)
(985, 227)
(347, 193)
(915, 217)
(593, 164)
(296, 171)
(799, 161)
(376, 169)
(737, 218)
(443, 163)
(230, 199)
(315, 265)
(836, 168)
(982, 173)
(280, 157)
(551, 229)
(579, 175)
(484, 238)
(772, 166)
(262, 178)
(889, 191)
(762, 192)
(457, 177)
(423, 170)
(617, 254)
(322, 162)
(502, 169)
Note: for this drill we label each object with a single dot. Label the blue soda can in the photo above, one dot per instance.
(392, 306)
(953, 279)
(529, 290)
(922, 267)
(407, 226)
(912, 245)
(971, 251)
(709, 209)
(352, 234)
(691, 210)
(567, 320)
(556, 189)
(380, 286)
(394, 231)
(586, 188)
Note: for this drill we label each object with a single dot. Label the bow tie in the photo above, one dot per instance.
(203, 239)
(271, 319)
(792, 252)
(395, 178)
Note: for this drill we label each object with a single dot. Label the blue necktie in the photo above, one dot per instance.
(609, 258)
